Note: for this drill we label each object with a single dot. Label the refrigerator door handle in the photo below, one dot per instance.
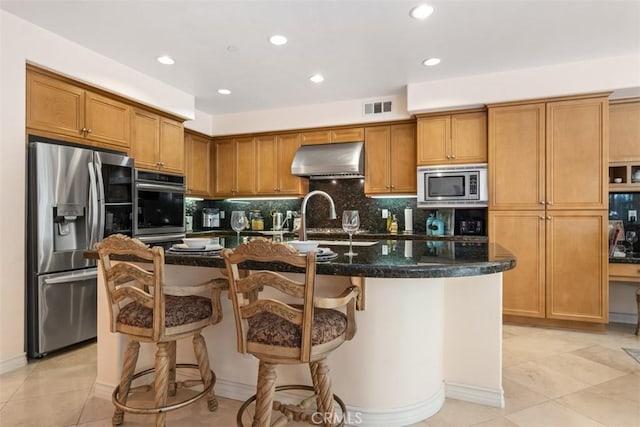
(93, 206)
(101, 202)
(88, 275)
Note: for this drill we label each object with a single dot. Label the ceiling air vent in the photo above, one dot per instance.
(377, 107)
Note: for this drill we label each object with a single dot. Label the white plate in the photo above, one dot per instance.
(185, 248)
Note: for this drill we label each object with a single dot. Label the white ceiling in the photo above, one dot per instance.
(363, 48)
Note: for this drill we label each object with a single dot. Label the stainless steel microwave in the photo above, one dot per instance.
(453, 186)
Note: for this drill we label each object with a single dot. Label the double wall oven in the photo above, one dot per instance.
(159, 207)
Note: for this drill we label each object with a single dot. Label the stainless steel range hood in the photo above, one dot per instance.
(330, 161)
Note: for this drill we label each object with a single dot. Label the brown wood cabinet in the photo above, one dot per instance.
(549, 155)
(235, 167)
(198, 164)
(561, 270)
(274, 154)
(59, 107)
(157, 143)
(624, 145)
(548, 205)
(452, 138)
(624, 272)
(624, 125)
(390, 159)
(324, 136)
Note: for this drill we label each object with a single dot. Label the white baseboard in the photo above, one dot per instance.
(482, 396)
(623, 318)
(395, 417)
(13, 363)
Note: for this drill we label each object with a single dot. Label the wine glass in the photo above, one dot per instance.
(632, 238)
(238, 222)
(350, 224)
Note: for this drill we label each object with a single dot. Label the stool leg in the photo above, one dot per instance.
(264, 396)
(202, 356)
(128, 369)
(322, 386)
(173, 387)
(638, 301)
(162, 380)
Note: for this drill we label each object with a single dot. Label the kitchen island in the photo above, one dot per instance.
(431, 327)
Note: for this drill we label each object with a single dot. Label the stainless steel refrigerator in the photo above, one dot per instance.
(76, 197)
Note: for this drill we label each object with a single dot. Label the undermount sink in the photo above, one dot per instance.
(344, 242)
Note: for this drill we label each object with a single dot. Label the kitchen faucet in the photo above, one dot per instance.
(302, 233)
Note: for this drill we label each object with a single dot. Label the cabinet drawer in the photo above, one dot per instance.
(624, 272)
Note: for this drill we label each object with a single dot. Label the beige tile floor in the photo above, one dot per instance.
(552, 378)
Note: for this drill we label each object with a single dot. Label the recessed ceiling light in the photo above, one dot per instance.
(316, 78)
(421, 12)
(278, 40)
(431, 62)
(224, 91)
(166, 60)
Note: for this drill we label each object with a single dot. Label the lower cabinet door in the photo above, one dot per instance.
(577, 266)
(523, 234)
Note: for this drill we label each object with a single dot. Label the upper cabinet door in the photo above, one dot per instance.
(266, 165)
(403, 158)
(245, 169)
(198, 165)
(145, 138)
(171, 151)
(54, 106)
(577, 154)
(107, 120)
(225, 167)
(347, 135)
(377, 160)
(468, 138)
(433, 140)
(517, 157)
(315, 137)
(624, 135)
(288, 144)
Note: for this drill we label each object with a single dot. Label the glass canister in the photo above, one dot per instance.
(257, 221)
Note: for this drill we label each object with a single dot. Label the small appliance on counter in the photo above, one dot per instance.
(210, 218)
(470, 222)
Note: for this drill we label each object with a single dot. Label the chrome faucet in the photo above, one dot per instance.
(302, 233)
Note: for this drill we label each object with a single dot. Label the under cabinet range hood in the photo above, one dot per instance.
(330, 161)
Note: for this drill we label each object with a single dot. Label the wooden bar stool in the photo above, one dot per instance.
(146, 310)
(279, 332)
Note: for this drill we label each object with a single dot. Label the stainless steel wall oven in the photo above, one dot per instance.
(159, 207)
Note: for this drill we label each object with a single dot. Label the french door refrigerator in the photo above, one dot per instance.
(76, 196)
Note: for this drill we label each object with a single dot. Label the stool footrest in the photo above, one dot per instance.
(292, 412)
(115, 397)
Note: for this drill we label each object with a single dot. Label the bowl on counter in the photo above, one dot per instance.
(304, 246)
(196, 242)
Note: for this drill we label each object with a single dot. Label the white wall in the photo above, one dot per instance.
(606, 74)
(306, 116)
(22, 42)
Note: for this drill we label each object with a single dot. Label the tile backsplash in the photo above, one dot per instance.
(620, 205)
(346, 194)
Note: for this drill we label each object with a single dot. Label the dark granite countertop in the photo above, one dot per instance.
(625, 260)
(386, 259)
(339, 234)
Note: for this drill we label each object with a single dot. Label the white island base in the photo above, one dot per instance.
(418, 341)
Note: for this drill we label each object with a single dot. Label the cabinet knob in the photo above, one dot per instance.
(448, 156)
(453, 156)
(549, 203)
(548, 217)
(83, 130)
(541, 216)
(542, 202)
(88, 130)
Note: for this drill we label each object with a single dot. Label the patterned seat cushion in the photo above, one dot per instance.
(269, 329)
(179, 310)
